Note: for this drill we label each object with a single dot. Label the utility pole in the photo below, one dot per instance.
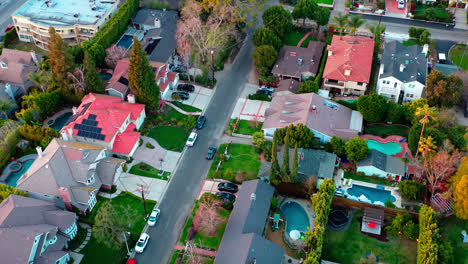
(212, 67)
(143, 198)
(126, 244)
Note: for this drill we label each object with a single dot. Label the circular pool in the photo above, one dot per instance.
(295, 216)
(15, 166)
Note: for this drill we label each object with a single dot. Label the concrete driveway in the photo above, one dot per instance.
(246, 109)
(443, 46)
(198, 98)
(153, 188)
(156, 157)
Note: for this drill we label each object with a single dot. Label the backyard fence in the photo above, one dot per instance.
(361, 206)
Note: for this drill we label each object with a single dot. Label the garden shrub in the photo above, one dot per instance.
(37, 133)
(9, 36)
(149, 145)
(403, 224)
(260, 97)
(274, 203)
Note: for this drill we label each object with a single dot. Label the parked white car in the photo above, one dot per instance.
(154, 217)
(268, 88)
(191, 139)
(142, 242)
(401, 4)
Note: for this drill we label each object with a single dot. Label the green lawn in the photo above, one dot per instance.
(411, 42)
(370, 179)
(293, 38)
(169, 137)
(79, 238)
(243, 158)
(385, 131)
(187, 108)
(439, 14)
(450, 230)
(459, 56)
(25, 46)
(176, 253)
(350, 246)
(327, 2)
(146, 170)
(96, 252)
(247, 127)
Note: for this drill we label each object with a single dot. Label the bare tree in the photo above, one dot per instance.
(208, 213)
(440, 167)
(78, 79)
(114, 54)
(190, 255)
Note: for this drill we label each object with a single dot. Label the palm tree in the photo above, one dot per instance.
(355, 22)
(39, 79)
(341, 21)
(426, 113)
(6, 105)
(376, 29)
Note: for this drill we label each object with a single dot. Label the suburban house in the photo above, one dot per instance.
(382, 165)
(403, 71)
(287, 87)
(299, 63)
(70, 174)
(15, 65)
(34, 231)
(106, 121)
(118, 84)
(324, 117)
(159, 28)
(243, 240)
(75, 21)
(349, 64)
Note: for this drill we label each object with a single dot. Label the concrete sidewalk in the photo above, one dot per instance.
(460, 19)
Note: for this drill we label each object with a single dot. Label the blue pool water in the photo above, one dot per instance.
(296, 217)
(14, 176)
(390, 148)
(105, 76)
(351, 100)
(372, 194)
(61, 121)
(125, 41)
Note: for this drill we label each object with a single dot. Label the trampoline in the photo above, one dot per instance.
(337, 218)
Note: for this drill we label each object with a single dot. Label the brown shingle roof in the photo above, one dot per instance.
(19, 65)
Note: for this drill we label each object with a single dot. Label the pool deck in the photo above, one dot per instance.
(395, 139)
(7, 171)
(393, 190)
(55, 116)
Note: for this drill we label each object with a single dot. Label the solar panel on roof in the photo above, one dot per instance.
(92, 117)
(123, 80)
(98, 130)
(101, 137)
(77, 126)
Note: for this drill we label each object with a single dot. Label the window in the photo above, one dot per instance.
(359, 83)
(3, 65)
(395, 85)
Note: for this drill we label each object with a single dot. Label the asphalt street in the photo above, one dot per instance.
(193, 167)
(7, 8)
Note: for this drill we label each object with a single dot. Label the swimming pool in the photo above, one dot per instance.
(373, 194)
(125, 41)
(15, 169)
(296, 217)
(61, 121)
(105, 76)
(389, 148)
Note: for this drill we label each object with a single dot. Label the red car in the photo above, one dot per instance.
(131, 261)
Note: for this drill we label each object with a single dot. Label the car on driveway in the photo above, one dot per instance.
(226, 196)
(191, 139)
(141, 243)
(186, 87)
(266, 92)
(154, 217)
(182, 95)
(266, 88)
(200, 122)
(179, 69)
(401, 4)
(227, 187)
(211, 152)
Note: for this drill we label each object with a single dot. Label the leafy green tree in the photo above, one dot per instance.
(94, 83)
(141, 77)
(425, 37)
(341, 21)
(295, 166)
(274, 168)
(285, 165)
(5, 106)
(411, 107)
(322, 16)
(6, 190)
(428, 236)
(44, 103)
(77, 53)
(403, 224)
(111, 222)
(373, 107)
(355, 22)
(338, 146)
(415, 32)
(411, 190)
(265, 36)
(443, 91)
(60, 60)
(26, 115)
(309, 86)
(356, 149)
(279, 20)
(258, 139)
(395, 113)
(305, 9)
(264, 57)
(413, 137)
(40, 78)
(299, 135)
(376, 29)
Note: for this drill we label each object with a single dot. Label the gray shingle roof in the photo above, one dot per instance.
(415, 62)
(318, 163)
(242, 240)
(287, 63)
(383, 162)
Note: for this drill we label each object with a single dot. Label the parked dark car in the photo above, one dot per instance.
(211, 153)
(179, 69)
(263, 92)
(226, 196)
(227, 187)
(185, 87)
(182, 95)
(200, 122)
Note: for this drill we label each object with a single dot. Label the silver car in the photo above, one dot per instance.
(154, 217)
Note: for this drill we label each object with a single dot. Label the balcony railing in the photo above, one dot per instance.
(334, 84)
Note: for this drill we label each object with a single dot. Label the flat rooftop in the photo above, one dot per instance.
(64, 12)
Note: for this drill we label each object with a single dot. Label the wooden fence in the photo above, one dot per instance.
(361, 206)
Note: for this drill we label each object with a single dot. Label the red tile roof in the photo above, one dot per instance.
(110, 113)
(349, 53)
(125, 142)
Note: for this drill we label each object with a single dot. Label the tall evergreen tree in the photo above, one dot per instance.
(94, 83)
(60, 60)
(295, 166)
(285, 166)
(274, 168)
(141, 77)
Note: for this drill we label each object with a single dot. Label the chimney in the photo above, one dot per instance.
(75, 110)
(253, 197)
(39, 151)
(157, 23)
(347, 72)
(402, 67)
(330, 50)
(425, 49)
(65, 194)
(69, 132)
(64, 135)
(131, 98)
(33, 57)
(299, 61)
(314, 108)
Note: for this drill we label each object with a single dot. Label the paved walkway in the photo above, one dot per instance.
(154, 156)
(302, 40)
(152, 187)
(239, 140)
(88, 236)
(77, 257)
(182, 111)
(110, 195)
(198, 251)
(460, 19)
